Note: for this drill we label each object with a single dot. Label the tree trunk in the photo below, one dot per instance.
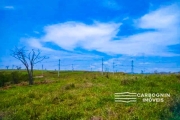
(31, 82)
(30, 75)
(31, 78)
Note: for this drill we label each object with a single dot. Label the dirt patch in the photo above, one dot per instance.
(39, 76)
(96, 118)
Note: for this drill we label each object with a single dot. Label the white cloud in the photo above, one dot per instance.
(163, 18)
(99, 36)
(36, 32)
(72, 34)
(166, 23)
(35, 43)
(144, 63)
(112, 4)
(9, 7)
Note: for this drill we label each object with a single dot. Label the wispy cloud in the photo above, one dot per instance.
(73, 34)
(111, 4)
(100, 36)
(160, 19)
(36, 32)
(9, 7)
(35, 43)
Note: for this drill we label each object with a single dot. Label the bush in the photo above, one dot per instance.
(18, 77)
(69, 86)
(4, 78)
(14, 77)
(23, 77)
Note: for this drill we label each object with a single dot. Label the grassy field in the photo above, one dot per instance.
(89, 96)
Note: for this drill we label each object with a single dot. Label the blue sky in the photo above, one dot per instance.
(82, 32)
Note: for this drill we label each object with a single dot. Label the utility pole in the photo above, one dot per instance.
(12, 67)
(59, 67)
(42, 70)
(102, 66)
(113, 68)
(7, 67)
(143, 64)
(72, 68)
(132, 67)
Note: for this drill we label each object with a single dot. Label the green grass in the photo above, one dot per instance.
(89, 95)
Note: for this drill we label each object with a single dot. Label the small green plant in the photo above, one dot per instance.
(69, 86)
(127, 81)
(4, 78)
(15, 77)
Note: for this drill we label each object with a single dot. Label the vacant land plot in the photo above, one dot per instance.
(89, 96)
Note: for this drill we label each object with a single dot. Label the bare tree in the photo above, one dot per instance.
(18, 67)
(29, 59)
(7, 67)
(12, 67)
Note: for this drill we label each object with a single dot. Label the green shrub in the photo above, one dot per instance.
(23, 77)
(69, 86)
(14, 77)
(4, 78)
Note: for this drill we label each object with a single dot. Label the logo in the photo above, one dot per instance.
(127, 97)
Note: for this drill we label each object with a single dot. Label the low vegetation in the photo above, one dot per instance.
(81, 95)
